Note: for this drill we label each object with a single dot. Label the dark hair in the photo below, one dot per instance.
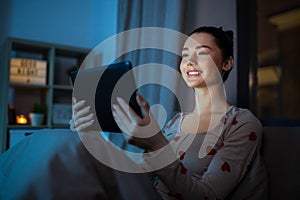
(224, 40)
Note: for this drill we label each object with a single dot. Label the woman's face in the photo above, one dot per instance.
(202, 61)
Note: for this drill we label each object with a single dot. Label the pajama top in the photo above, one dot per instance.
(230, 167)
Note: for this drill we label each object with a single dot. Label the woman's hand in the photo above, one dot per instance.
(81, 117)
(143, 132)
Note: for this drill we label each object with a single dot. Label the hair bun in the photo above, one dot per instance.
(229, 34)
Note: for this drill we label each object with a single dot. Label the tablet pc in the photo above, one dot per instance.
(97, 87)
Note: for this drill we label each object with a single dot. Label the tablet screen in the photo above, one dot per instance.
(97, 87)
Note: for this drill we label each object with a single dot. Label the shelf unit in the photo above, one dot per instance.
(57, 90)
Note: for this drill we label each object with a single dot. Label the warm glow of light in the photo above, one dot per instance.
(268, 75)
(21, 119)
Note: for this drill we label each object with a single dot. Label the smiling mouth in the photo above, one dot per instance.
(193, 73)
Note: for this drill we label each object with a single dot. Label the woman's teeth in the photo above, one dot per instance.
(193, 73)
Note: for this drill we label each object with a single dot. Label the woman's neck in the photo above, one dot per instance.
(210, 100)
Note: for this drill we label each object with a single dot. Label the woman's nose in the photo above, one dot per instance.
(190, 64)
(192, 61)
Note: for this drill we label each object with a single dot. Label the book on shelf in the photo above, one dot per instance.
(23, 70)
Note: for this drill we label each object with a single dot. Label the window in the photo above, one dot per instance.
(269, 60)
(278, 60)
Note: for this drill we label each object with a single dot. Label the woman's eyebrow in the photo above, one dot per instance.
(202, 46)
(197, 47)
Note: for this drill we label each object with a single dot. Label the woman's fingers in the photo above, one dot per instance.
(119, 121)
(78, 105)
(72, 124)
(81, 113)
(143, 104)
(138, 131)
(82, 123)
(120, 116)
(82, 117)
(141, 101)
(83, 126)
(128, 111)
(74, 100)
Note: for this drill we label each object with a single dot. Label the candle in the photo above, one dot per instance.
(21, 119)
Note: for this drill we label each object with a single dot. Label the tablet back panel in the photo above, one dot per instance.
(96, 86)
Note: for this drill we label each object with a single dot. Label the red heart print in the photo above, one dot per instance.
(225, 167)
(176, 138)
(210, 151)
(181, 155)
(234, 122)
(252, 136)
(183, 169)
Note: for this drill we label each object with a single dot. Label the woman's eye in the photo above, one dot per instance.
(184, 55)
(202, 53)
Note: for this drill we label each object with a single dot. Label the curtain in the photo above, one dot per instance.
(155, 43)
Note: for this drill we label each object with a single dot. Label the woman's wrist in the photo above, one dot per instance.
(159, 142)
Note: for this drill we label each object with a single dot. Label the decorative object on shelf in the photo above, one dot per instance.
(37, 114)
(28, 71)
(21, 119)
(61, 113)
(36, 119)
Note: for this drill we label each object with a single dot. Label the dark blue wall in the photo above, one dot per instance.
(82, 23)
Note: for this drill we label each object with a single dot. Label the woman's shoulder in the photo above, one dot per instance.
(238, 118)
(245, 115)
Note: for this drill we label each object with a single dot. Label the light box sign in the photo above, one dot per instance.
(30, 71)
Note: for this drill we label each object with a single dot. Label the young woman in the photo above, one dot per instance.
(222, 161)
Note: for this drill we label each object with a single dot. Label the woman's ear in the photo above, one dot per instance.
(227, 65)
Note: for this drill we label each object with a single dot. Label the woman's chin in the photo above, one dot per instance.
(196, 85)
(194, 82)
